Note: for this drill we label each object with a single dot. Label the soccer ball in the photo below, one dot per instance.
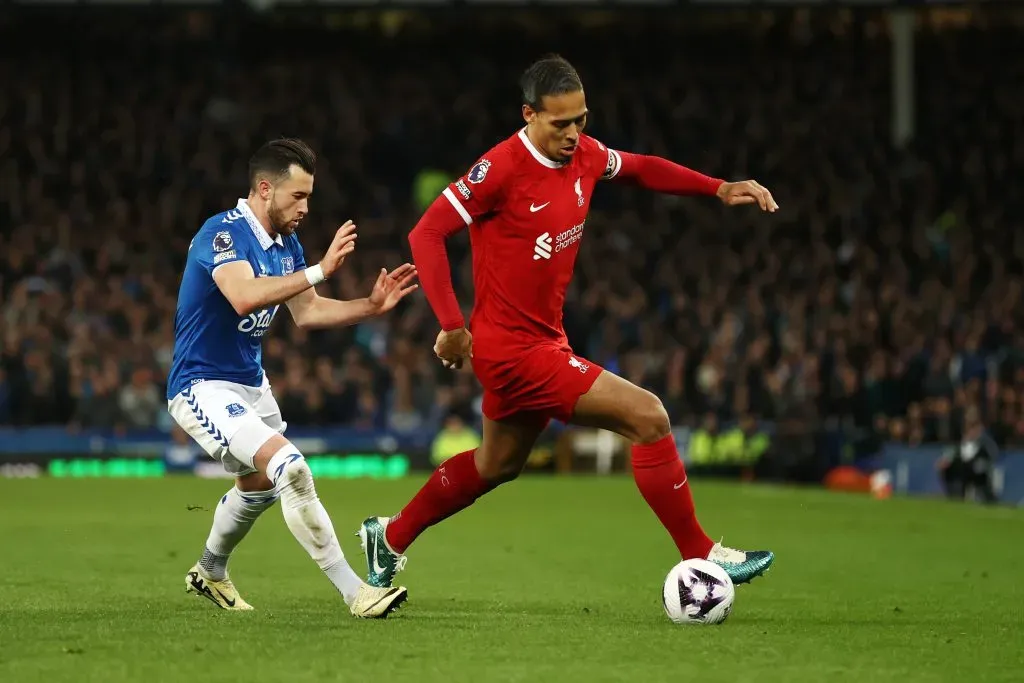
(698, 592)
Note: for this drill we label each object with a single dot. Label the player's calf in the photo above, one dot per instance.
(454, 486)
(307, 519)
(618, 405)
(309, 523)
(234, 517)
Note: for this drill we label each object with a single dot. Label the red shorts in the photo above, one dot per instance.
(545, 381)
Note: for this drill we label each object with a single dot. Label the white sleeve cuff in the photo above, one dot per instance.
(454, 201)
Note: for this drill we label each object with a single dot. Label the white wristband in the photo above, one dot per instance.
(315, 275)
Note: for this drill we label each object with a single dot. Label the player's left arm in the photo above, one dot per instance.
(310, 310)
(662, 175)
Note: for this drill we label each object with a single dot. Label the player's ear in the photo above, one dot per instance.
(264, 188)
(529, 114)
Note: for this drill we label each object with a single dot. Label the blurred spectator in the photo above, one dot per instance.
(967, 468)
(96, 399)
(141, 400)
(738, 448)
(754, 443)
(454, 437)
(703, 448)
(792, 454)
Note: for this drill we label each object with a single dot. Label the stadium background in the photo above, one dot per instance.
(858, 326)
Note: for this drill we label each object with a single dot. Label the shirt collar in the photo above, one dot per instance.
(537, 154)
(257, 228)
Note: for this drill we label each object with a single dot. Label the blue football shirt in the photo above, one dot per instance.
(211, 341)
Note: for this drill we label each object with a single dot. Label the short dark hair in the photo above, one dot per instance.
(276, 157)
(549, 75)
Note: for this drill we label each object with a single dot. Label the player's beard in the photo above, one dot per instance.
(278, 222)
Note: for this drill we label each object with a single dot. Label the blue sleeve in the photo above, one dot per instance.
(215, 246)
(299, 254)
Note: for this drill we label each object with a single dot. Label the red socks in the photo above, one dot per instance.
(661, 478)
(657, 469)
(452, 487)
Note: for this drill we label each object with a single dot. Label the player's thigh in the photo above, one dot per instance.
(220, 416)
(268, 410)
(506, 445)
(619, 406)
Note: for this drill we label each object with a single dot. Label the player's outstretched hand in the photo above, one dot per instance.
(392, 287)
(747, 192)
(343, 244)
(454, 347)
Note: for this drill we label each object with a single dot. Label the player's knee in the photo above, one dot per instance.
(292, 477)
(296, 474)
(650, 419)
(497, 468)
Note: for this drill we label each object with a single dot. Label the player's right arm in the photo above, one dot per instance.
(476, 194)
(247, 293)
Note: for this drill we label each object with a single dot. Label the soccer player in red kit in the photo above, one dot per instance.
(525, 203)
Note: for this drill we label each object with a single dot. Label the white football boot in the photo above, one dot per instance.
(221, 593)
(373, 602)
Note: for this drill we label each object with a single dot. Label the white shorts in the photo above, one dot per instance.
(230, 421)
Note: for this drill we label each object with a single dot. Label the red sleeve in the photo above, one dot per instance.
(475, 194)
(659, 175)
(430, 255)
(482, 189)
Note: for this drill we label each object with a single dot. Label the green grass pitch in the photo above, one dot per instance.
(546, 579)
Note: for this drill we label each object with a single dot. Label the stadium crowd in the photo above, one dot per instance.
(885, 295)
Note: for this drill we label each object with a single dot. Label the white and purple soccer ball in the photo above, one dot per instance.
(698, 592)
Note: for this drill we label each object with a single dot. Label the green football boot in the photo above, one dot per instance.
(741, 566)
(382, 563)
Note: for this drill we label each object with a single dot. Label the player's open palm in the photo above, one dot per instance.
(392, 287)
(454, 347)
(343, 244)
(747, 192)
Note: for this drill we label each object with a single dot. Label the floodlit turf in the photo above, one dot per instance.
(543, 580)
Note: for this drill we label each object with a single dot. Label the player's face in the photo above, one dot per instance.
(288, 201)
(557, 127)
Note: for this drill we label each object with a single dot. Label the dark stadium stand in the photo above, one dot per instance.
(886, 293)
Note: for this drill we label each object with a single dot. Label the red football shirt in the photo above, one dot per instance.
(527, 216)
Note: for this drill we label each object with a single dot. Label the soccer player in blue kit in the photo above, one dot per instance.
(242, 265)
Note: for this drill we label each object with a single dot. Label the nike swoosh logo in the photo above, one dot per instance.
(680, 484)
(388, 595)
(229, 603)
(376, 565)
(535, 209)
(204, 590)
